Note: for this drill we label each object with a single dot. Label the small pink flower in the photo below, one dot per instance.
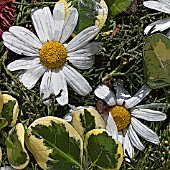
(7, 12)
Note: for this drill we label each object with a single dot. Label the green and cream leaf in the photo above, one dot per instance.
(103, 151)
(55, 144)
(87, 119)
(16, 152)
(10, 109)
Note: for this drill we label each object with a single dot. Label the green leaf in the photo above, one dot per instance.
(90, 13)
(156, 61)
(16, 152)
(10, 109)
(117, 6)
(3, 123)
(87, 119)
(55, 144)
(104, 152)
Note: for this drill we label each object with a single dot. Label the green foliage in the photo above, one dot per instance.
(156, 61)
(117, 6)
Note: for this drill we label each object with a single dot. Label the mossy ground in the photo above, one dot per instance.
(120, 57)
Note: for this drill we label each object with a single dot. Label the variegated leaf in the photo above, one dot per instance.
(55, 144)
(87, 119)
(16, 152)
(103, 151)
(10, 109)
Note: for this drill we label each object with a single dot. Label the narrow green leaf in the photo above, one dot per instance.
(156, 61)
(17, 155)
(55, 144)
(3, 123)
(104, 152)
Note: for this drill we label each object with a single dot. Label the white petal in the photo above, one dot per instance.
(68, 117)
(111, 127)
(23, 63)
(26, 36)
(121, 92)
(144, 131)
(159, 25)
(148, 114)
(121, 137)
(49, 23)
(58, 17)
(32, 75)
(46, 87)
(82, 38)
(152, 105)
(77, 82)
(18, 46)
(163, 6)
(60, 87)
(134, 138)
(69, 25)
(88, 50)
(103, 92)
(128, 148)
(82, 63)
(138, 97)
(39, 22)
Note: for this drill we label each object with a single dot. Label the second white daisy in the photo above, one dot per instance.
(122, 121)
(163, 24)
(48, 53)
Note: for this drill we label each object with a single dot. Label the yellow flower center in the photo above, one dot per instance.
(53, 54)
(121, 116)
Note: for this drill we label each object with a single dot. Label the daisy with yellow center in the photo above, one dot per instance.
(162, 24)
(122, 120)
(49, 52)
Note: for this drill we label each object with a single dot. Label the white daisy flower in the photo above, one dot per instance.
(162, 6)
(48, 53)
(122, 121)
